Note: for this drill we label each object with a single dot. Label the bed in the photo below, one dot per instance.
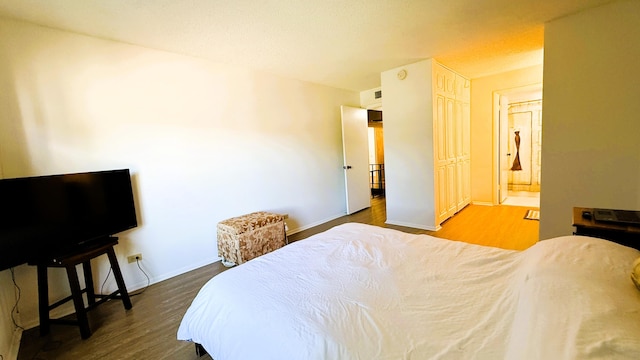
(360, 291)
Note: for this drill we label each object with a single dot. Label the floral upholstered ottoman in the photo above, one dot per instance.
(245, 237)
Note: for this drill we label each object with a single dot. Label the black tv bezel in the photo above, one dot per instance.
(37, 247)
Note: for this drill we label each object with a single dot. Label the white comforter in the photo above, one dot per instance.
(364, 292)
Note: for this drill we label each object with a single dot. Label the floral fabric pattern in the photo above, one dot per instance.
(245, 237)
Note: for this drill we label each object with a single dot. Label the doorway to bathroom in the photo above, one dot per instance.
(520, 145)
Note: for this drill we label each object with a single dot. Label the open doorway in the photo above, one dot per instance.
(376, 153)
(520, 128)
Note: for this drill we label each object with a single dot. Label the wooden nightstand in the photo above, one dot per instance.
(622, 234)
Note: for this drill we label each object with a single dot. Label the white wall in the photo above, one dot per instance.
(483, 128)
(9, 334)
(591, 131)
(408, 146)
(204, 142)
(368, 99)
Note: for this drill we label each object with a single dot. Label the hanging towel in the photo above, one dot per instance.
(516, 162)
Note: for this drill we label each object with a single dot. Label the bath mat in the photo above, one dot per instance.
(532, 215)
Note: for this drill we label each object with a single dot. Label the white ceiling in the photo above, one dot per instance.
(345, 44)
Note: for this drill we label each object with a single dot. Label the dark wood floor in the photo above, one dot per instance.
(148, 330)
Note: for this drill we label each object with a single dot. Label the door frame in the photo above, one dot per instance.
(501, 102)
(516, 94)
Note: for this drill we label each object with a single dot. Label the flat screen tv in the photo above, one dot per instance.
(47, 216)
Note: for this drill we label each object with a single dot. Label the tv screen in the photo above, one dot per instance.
(46, 216)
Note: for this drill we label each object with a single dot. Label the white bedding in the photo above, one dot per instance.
(363, 292)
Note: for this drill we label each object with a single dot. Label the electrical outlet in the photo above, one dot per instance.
(134, 258)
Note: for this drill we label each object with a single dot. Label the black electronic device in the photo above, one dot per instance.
(626, 217)
(45, 216)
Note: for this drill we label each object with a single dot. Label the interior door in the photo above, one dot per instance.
(505, 157)
(355, 146)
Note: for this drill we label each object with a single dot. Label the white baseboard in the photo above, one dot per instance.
(156, 279)
(297, 230)
(15, 345)
(482, 203)
(59, 312)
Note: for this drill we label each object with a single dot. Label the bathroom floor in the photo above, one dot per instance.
(523, 198)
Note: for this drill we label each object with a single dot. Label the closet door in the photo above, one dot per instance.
(452, 125)
(441, 161)
(459, 135)
(466, 153)
(463, 142)
(450, 145)
(444, 143)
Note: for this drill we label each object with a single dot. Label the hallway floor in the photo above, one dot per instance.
(498, 226)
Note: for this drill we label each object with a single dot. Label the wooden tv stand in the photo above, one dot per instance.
(628, 235)
(69, 261)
